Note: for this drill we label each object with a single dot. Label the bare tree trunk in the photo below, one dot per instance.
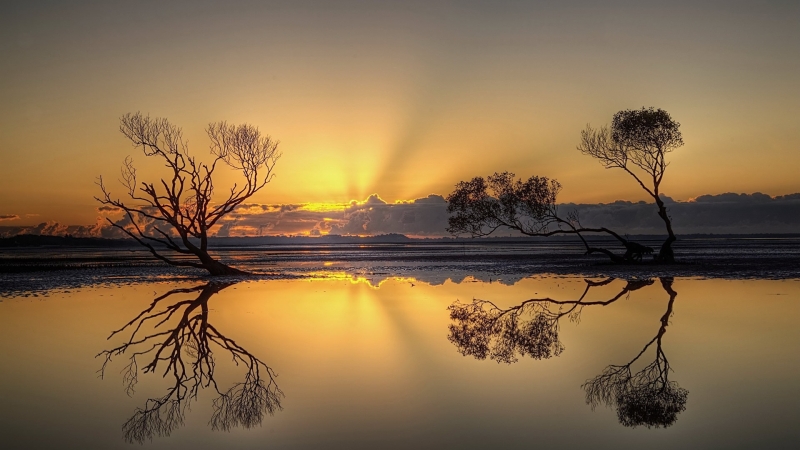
(216, 268)
(183, 204)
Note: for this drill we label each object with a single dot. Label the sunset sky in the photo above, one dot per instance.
(399, 99)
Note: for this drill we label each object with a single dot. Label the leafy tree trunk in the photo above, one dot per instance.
(482, 206)
(638, 141)
(666, 254)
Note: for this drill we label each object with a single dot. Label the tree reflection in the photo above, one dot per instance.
(647, 397)
(481, 329)
(174, 335)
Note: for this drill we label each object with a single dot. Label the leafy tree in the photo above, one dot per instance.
(480, 207)
(177, 212)
(638, 142)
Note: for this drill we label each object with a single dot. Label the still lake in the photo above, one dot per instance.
(344, 361)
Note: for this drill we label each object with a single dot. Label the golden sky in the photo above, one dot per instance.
(400, 99)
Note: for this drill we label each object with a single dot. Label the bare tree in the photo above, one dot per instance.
(638, 142)
(179, 338)
(482, 206)
(176, 213)
(481, 329)
(646, 397)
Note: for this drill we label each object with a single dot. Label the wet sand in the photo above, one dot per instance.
(28, 271)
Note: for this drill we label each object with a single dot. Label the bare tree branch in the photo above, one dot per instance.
(178, 337)
(185, 200)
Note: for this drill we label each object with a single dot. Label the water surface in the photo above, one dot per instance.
(348, 362)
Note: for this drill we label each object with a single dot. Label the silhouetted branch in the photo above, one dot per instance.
(178, 337)
(482, 206)
(184, 201)
(245, 403)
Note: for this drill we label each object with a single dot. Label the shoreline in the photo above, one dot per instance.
(504, 269)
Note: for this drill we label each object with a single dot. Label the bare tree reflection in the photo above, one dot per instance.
(646, 397)
(481, 329)
(175, 335)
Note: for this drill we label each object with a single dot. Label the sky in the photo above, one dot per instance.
(396, 101)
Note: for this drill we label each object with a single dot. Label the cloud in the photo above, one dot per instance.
(8, 217)
(727, 213)
(45, 228)
(421, 217)
(427, 217)
(287, 219)
(101, 228)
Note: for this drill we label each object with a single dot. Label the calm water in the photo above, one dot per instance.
(339, 362)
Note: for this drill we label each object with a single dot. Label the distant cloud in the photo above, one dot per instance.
(100, 229)
(8, 217)
(421, 217)
(427, 217)
(46, 229)
(721, 214)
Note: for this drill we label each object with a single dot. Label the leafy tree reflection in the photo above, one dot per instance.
(178, 337)
(646, 397)
(481, 329)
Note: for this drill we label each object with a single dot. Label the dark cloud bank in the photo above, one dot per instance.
(423, 217)
(718, 214)
(427, 217)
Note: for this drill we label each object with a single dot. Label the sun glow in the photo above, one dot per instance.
(373, 100)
